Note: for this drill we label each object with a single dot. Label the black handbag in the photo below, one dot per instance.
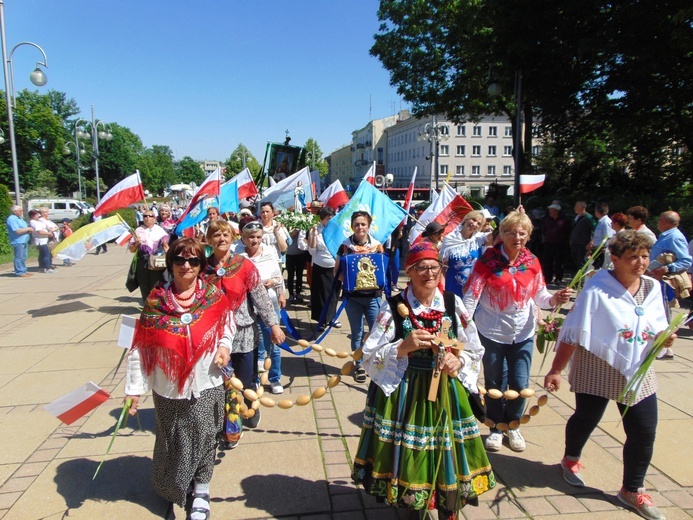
(131, 282)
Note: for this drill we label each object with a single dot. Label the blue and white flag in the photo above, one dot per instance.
(284, 194)
(386, 217)
(229, 204)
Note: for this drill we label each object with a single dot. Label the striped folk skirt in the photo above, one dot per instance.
(185, 446)
(407, 453)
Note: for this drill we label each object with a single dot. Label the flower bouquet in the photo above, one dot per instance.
(548, 332)
(301, 221)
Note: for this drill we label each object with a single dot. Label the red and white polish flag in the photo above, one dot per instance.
(448, 210)
(531, 182)
(126, 192)
(77, 403)
(334, 195)
(370, 175)
(246, 184)
(408, 197)
(124, 238)
(209, 188)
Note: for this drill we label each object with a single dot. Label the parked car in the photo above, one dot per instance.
(59, 208)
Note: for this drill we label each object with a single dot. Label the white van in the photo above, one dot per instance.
(58, 208)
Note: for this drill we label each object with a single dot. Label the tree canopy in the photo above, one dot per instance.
(601, 79)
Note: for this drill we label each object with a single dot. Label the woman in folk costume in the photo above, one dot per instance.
(182, 339)
(402, 458)
(606, 352)
(505, 287)
(241, 282)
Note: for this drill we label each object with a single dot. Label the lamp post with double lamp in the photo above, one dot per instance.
(37, 77)
(97, 134)
(242, 156)
(434, 132)
(79, 150)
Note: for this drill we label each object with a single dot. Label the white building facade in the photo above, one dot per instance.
(471, 156)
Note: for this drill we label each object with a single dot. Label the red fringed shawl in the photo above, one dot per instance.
(492, 274)
(163, 340)
(239, 278)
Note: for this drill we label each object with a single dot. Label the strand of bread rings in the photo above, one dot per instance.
(530, 411)
(258, 398)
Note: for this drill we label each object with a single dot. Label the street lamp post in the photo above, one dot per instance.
(242, 156)
(79, 150)
(96, 135)
(434, 132)
(37, 77)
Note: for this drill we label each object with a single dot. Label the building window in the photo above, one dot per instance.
(476, 131)
(476, 151)
(508, 131)
(493, 131)
(460, 171)
(491, 172)
(507, 171)
(492, 151)
(460, 149)
(380, 156)
(461, 131)
(476, 171)
(536, 150)
(444, 149)
(444, 169)
(507, 151)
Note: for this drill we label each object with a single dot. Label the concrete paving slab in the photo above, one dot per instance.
(79, 356)
(6, 470)
(28, 430)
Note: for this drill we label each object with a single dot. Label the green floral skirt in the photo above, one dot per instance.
(406, 454)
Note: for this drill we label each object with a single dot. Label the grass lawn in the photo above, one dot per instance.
(9, 258)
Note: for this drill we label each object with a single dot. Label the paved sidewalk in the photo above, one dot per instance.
(58, 331)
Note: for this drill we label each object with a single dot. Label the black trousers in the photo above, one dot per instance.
(552, 261)
(639, 423)
(323, 278)
(295, 265)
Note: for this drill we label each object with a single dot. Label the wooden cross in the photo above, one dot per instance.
(439, 344)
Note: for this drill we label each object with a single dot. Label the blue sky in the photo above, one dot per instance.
(204, 76)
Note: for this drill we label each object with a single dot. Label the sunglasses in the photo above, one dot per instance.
(192, 260)
(253, 226)
(148, 216)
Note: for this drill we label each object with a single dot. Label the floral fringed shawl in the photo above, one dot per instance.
(505, 283)
(237, 276)
(164, 341)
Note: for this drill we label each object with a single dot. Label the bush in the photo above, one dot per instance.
(5, 204)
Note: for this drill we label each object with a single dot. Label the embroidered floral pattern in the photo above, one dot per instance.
(629, 335)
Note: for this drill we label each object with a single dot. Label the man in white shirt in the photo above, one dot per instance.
(603, 230)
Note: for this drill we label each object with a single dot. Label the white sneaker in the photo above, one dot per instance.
(261, 366)
(494, 441)
(516, 441)
(277, 388)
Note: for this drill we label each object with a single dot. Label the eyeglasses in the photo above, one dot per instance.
(520, 234)
(148, 216)
(192, 260)
(433, 269)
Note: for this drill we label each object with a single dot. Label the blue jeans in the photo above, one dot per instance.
(20, 253)
(266, 347)
(356, 309)
(516, 358)
(45, 260)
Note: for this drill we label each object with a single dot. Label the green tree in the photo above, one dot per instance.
(189, 170)
(156, 168)
(588, 69)
(234, 163)
(6, 203)
(314, 158)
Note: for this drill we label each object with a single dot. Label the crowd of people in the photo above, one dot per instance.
(212, 304)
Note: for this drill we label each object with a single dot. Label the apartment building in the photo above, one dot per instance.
(471, 156)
